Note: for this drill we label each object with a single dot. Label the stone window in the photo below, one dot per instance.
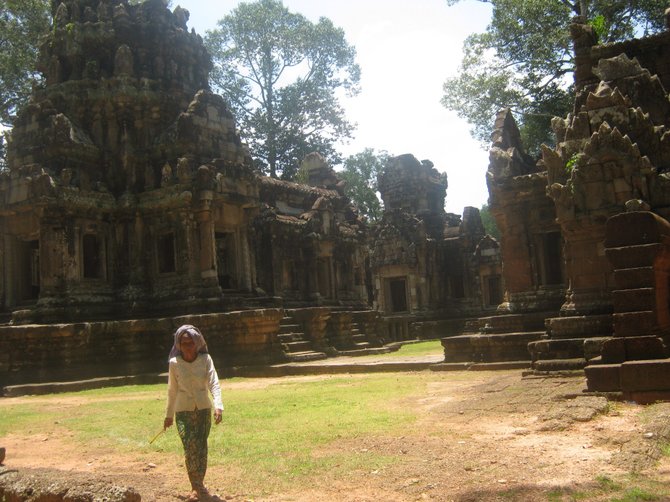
(166, 253)
(92, 257)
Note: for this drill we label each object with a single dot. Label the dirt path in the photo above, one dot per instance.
(494, 436)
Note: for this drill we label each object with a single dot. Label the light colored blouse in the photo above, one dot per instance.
(189, 385)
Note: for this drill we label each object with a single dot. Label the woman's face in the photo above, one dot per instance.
(187, 347)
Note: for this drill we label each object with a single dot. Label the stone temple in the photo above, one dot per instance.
(130, 206)
(585, 229)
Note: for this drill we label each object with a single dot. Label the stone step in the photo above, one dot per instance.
(489, 347)
(299, 346)
(567, 348)
(290, 337)
(307, 355)
(510, 323)
(579, 326)
(551, 365)
(289, 328)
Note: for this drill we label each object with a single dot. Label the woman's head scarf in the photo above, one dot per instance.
(196, 336)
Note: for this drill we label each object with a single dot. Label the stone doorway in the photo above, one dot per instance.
(551, 259)
(226, 260)
(397, 294)
(26, 272)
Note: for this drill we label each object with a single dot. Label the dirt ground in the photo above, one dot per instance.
(494, 436)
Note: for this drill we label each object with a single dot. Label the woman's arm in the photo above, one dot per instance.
(172, 395)
(214, 389)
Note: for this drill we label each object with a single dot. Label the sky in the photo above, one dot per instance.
(406, 50)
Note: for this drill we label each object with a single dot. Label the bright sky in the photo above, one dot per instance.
(406, 50)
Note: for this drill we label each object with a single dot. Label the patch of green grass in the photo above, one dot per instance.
(271, 434)
(631, 488)
(606, 484)
(26, 419)
(635, 495)
(425, 348)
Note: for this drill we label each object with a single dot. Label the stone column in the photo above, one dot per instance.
(206, 236)
(246, 281)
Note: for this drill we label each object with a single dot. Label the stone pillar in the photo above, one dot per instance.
(246, 281)
(206, 237)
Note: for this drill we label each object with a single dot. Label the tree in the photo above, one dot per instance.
(524, 60)
(22, 24)
(360, 172)
(281, 74)
(489, 222)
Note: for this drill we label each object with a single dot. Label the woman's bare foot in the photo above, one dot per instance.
(204, 494)
(193, 496)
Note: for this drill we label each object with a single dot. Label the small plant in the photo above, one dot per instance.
(572, 163)
(599, 26)
(606, 484)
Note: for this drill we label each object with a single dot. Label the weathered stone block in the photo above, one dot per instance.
(603, 377)
(631, 278)
(649, 375)
(633, 256)
(614, 351)
(634, 300)
(644, 347)
(633, 323)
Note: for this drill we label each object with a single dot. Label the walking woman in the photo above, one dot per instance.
(192, 377)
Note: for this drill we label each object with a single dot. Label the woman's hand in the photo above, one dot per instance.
(167, 423)
(217, 416)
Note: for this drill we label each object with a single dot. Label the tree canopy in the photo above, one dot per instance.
(524, 60)
(281, 74)
(22, 24)
(360, 172)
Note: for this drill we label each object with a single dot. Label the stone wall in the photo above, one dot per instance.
(42, 353)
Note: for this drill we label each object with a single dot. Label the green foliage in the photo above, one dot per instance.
(22, 24)
(360, 172)
(489, 222)
(524, 60)
(281, 74)
(572, 162)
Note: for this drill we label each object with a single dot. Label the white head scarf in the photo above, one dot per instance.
(196, 336)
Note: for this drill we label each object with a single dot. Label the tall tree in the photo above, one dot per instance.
(489, 222)
(524, 60)
(22, 24)
(360, 172)
(281, 74)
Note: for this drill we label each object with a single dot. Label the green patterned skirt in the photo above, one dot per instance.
(193, 427)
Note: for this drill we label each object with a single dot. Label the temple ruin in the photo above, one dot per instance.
(130, 206)
(584, 229)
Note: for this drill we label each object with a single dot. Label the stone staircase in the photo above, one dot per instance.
(500, 338)
(358, 337)
(570, 343)
(296, 346)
